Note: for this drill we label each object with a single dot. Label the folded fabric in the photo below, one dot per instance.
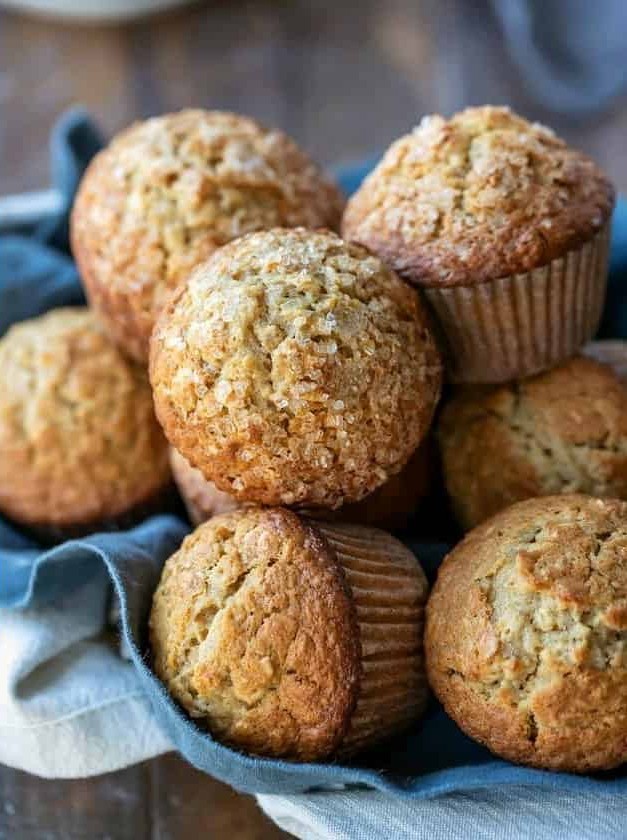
(61, 675)
(70, 705)
(517, 813)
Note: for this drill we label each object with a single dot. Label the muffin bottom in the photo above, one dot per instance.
(514, 327)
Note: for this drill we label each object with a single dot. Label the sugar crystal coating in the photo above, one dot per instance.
(275, 401)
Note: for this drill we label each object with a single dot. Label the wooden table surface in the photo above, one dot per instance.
(342, 78)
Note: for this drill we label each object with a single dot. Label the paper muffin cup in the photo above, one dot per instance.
(389, 591)
(516, 326)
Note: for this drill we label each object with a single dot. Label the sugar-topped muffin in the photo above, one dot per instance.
(526, 634)
(295, 369)
(80, 446)
(480, 210)
(165, 193)
(564, 431)
(481, 195)
(289, 638)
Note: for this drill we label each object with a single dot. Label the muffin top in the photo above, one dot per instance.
(526, 636)
(79, 441)
(295, 369)
(482, 195)
(168, 191)
(563, 431)
(253, 629)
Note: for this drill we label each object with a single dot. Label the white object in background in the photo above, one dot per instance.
(94, 11)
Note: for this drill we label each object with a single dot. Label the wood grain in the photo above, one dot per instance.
(165, 799)
(344, 79)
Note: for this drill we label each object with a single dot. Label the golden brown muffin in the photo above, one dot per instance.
(526, 637)
(482, 195)
(460, 204)
(564, 431)
(80, 446)
(167, 192)
(295, 369)
(390, 506)
(289, 638)
(610, 352)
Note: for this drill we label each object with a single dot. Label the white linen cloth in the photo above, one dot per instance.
(516, 813)
(70, 705)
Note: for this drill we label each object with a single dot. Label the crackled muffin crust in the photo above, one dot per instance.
(295, 369)
(286, 638)
(249, 597)
(564, 431)
(482, 195)
(79, 442)
(167, 192)
(526, 636)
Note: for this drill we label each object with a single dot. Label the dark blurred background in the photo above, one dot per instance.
(344, 78)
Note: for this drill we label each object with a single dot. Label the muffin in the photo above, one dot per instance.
(295, 369)
(80, 447)
(390, 506)
(506, 230)
(167, 192)
(564, 431)
(526, 636)
(291, 639)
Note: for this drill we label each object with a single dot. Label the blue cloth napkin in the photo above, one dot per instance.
(37, 273)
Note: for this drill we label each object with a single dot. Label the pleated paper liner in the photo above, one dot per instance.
(389, 591)
(517, 326)
(201, 497)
